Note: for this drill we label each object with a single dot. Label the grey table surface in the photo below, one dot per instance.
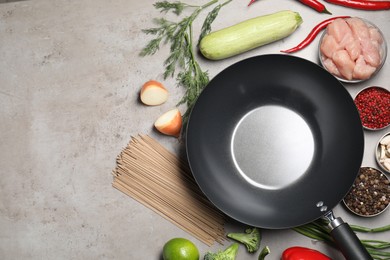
(70, 76)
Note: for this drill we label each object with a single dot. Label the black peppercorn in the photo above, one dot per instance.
(370, 193)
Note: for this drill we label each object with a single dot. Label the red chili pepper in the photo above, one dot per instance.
(251, 2)
(312, 35)
(362, 4)
(315, 5)
(303, 253)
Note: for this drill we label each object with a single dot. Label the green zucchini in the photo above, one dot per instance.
(249, 34)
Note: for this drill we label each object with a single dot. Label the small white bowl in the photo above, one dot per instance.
(379, 152)
(382, 50)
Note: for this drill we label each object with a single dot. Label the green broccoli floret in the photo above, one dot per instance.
(229, 253)
(251, 239)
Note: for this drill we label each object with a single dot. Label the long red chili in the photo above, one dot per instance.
(363, 5)
(319, 7)
(312, 35)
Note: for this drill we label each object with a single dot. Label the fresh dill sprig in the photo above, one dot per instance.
(179, 36)
(206, 27)
(163, 32)
(176, 7)
(194, 83)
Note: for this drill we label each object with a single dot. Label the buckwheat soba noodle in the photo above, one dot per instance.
(155, 177)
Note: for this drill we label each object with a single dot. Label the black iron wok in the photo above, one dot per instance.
(275, 141)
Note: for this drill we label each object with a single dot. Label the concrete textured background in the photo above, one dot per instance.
(70, 74)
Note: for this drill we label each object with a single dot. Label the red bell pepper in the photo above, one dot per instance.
(303, 253)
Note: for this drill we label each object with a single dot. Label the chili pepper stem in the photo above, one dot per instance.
(316, 5)
(266, 251)
(326, 11)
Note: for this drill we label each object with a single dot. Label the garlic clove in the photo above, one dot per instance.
(382, 153)
(387, 153)
(385, 140)
(386, 164)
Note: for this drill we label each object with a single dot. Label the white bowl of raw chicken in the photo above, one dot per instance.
(352, 49)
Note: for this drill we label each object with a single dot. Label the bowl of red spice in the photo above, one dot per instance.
(352, 49)
(370, 193)
(373, 104)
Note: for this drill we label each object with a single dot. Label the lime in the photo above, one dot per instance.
(180, 249)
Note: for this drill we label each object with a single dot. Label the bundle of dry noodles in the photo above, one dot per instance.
(152, 175)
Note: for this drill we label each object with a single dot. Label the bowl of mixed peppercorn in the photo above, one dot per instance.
(373, 104)
(370, 193)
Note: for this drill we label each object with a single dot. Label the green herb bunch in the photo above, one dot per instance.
(179, 36)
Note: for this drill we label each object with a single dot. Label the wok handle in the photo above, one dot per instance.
(347, 241)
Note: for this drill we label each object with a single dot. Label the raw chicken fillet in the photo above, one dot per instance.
(351, 49)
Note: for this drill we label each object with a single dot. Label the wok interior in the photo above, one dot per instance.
(287, 141)
(236, 133)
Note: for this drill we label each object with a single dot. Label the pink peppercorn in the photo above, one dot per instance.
(373, 104)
